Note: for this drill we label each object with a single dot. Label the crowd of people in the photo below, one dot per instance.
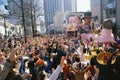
(58, 58)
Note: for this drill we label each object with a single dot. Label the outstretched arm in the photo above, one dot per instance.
(57, 71)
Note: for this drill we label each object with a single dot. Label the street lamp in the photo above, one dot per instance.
(4, 17)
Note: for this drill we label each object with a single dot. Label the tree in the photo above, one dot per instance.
(23, 20)
(32, 10)
(36, 12)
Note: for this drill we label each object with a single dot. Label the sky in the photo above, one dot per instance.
(83, 5)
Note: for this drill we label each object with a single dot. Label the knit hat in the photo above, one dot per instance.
(40, 62)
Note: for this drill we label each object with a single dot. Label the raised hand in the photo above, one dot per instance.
(96, 69)
(12, 56)
(62, 61)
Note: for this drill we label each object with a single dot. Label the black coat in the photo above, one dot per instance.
(110, 71)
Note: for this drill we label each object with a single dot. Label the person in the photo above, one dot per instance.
(79, 72)
(66, 69)
(118, 40)
(93, 26)
(9, 65)
(21, 77)
(106, 33)
(116, 66)
(88, 74)
(108, 69)
(42, 75)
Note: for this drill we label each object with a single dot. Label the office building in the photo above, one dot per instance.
(53, 6)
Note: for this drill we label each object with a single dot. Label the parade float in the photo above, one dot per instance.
(72, 26)
(102, 39)
(106, 33)
(102, 35)
(85, 28)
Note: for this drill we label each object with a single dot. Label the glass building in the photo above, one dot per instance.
(53, 6)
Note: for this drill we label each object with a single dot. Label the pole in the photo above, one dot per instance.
(23, 21)
(5, 27)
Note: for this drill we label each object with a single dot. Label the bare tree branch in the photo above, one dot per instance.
(33, 10)
(16, 3)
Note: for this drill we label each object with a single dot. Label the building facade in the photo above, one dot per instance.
(96, 10)
(118, 17)
(74, 5)
(67, 5)
(3, 14)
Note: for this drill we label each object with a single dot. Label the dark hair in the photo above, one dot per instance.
(97, 51)
(73, 50)
(93, 61)
(41, 68)
(41, 75)
(77, 59)
(17, 77)
(37, 52)
(35, 59)
(30, 55)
